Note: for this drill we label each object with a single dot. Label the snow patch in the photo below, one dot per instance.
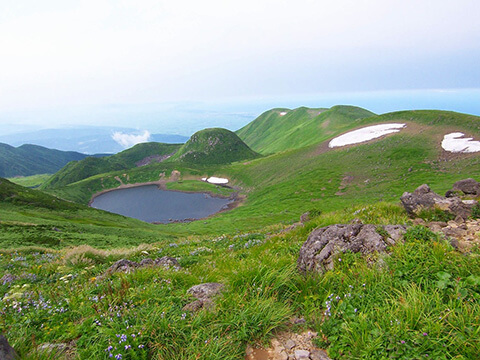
(128, 140)
(365, 134)
(216, 180)
(455, 142)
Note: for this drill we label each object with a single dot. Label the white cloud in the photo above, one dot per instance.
(128, 140)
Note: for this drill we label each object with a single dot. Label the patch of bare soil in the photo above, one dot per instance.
(288, 346)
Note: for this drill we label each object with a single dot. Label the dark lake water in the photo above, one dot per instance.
(150, 204)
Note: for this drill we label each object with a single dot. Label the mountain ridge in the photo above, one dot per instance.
(31, 159)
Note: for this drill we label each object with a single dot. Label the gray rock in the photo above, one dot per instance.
(6, 351)
(302, 355)
(146, 262)
(317, 253)
(424, 198)
(290, 344)
(53, 349)
(193, 306)
(205, 291)
(122, 265)
(319, 355)
(305, 217)
(167, 262)
(127, 266)
(467, 186)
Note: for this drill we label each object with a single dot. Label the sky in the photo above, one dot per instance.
(64, 62)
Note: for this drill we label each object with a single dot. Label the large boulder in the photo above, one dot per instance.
(423, 198)
(323, 244)
(469, 187)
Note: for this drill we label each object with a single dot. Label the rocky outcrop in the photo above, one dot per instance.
(323, 244)
(6, 351)
(463, 235)
(423, 198)
(204, 293)
(466, 187)
(127, 266)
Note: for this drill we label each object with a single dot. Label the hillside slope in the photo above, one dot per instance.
(285, 129)
(28, 160)
(139, 155)
(282, 186)
(214, 146)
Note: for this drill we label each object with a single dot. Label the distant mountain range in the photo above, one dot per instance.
(33, 159)
(87, 139)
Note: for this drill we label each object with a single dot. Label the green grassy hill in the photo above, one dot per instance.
(285, 129)
(139, 155)
(28, 160)
(280, 187)
(214, 146)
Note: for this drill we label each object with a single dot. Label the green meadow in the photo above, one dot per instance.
(418, 300)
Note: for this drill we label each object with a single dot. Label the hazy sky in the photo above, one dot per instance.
(62, 53)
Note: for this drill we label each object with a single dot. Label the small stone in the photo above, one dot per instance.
(290, 344)
(310, 334)
(248, 350)
(297, 321)
(276, 345)
(302, 355)
(205, 291)
(282, 355)
(319, 355)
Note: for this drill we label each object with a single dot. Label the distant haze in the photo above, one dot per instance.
(179, 66)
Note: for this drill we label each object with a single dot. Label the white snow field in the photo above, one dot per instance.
(215, 180)
(365, 134)
(455, 142)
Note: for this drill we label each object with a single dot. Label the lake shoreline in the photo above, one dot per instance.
(236, 198)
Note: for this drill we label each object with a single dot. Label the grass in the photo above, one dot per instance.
(199, 186)
(421, 298)
(32, 181)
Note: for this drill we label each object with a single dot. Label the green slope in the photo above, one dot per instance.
(285, 129)
(28, 160)
(282, 186)
(33, 218)
(214, 146)
(139, 155)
